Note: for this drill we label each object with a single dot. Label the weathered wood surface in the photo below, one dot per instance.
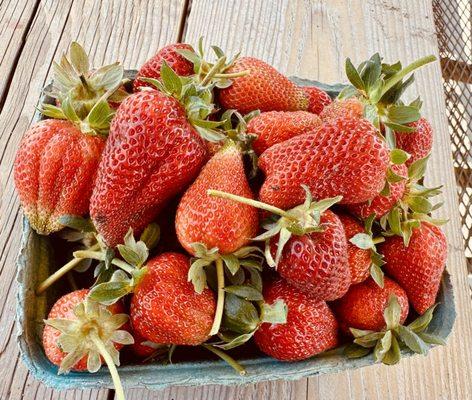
(307, 38)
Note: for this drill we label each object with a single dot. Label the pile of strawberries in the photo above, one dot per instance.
(228, 204)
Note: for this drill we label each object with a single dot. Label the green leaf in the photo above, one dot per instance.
(392, 356)
(392, 177)
(231, 262)
(110, 292)
(255, 278)
(398, 128)
(325, 204)
(363, 241)
(238, 278)
(234, 340)
(357, 333)
(353, 75)
(189, 55)
(239, 315)
(275, 313)
(420, 204)
(245, 291)
(412, 340)
(79, 58)
(129, 255)
(431, 339)
(370, 74)
(284, 237)
(422, 322)
(377, 275)
(398, 156)
(392, 312)
(393, 218)
(197, 275)
(170, 79)
(78, 223)
(151, 235)
(52, 111)
(355, 351)
(417, 169)
(383, 346)
(369, 340)
(401, 115)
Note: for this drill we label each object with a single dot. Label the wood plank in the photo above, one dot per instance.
(109, 30)
(16, 17)
(311, 39)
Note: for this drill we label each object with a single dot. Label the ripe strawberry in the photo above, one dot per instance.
(311, 327)
(80, 334)
(417, 268)
(351, 107)
(152, 67)
(212, 221)
(55, 168)
(262, 88)
(345, 158)
(380, 204)
(418, 143)
(362, 307)
(152, 154)
(317, 99)
(277, 126)
(165, 307)
(359, 259)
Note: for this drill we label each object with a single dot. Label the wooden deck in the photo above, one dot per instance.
(309, 38)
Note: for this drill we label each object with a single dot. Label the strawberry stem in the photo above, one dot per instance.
(378, 240)
(120, 395)
(225, 357)
(123, 265)
(211, 73)
(233, 75)
(251, 202)
(61, 272)
(220, 275)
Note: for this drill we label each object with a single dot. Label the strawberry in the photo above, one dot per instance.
(56, 163)
(84, 87)
(277, 126)
(351, 107)
(417, 144)
(345, 157)
(307, 245)
(382, 204)
(262, 88)
(374, 316)
(152, 67)
(418, 267)
(362, 307)
(217, 222)
(317, 99)
(152, 153)
(311, 327)
(158, 317)
(80, 334)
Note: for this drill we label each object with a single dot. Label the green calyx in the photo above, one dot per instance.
(366, 241)
(93, 334)
(95, 123)
(74, 79)
(380, 87)
(387, 343)
(414, 207)
(298, 221)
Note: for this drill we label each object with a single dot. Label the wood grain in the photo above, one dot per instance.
(109, 30)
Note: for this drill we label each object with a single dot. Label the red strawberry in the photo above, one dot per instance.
(262, 88)
(316, 263)
(363, 305)
(212, 221)
(165, 307)
(381, 205)
(417, 268)
(359, 259)
(418, 143)
(152, 154)
(351, 107)
(311, 327)
(317, 99)
(80, 334)
(55, 169)
(152, 67)
(277, 126)
(345, 158)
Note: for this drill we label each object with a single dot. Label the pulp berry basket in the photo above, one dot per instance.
(40, 255)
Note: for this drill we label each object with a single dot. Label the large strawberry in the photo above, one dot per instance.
(417, 267)
(418, 143)
(277, 126)
(317, 99)
(56, 164)
(310, 329)
(307, 245)
(80, 334)
(374, 316)
(155, 313)
(153, 153)
(212, 221)
(262, 88)
(345, 157)
(152, 67)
